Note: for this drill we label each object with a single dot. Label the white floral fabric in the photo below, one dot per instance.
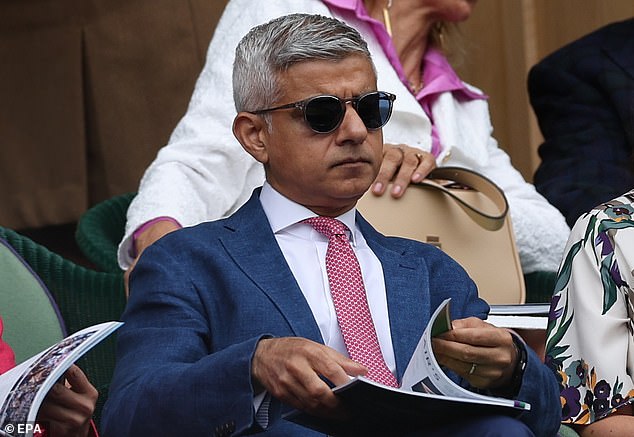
(590, 331)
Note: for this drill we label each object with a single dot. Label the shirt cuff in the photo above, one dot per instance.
(261, 405)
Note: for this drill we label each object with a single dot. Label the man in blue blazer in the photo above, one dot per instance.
(583, 97)
(231, 323)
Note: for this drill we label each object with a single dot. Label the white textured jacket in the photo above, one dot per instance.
(204, 174)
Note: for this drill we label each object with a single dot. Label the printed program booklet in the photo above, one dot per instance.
(23, 388)
(427, 396)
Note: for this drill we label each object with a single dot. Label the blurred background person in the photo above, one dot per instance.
(583, 97)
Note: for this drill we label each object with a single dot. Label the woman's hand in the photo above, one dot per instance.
(402, 165)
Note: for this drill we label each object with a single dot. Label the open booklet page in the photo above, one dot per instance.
(23, 388)
(427, 396)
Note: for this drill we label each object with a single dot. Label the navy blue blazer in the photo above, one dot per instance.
(202, 297)
(583, 97)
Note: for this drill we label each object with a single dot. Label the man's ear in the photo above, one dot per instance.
(251, 131)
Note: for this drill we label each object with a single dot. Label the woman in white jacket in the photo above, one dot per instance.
(203, 173)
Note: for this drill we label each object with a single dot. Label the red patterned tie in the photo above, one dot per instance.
(351, 304)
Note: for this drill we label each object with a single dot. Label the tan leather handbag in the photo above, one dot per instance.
(464, 214)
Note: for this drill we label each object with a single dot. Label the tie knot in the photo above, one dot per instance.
(327, 226)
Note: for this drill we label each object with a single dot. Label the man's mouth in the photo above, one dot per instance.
(352, 161)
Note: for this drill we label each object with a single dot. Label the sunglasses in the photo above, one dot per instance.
(325, 113)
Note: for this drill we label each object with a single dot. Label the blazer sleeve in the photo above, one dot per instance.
(169, 378)
(539, 388)
(586, 157)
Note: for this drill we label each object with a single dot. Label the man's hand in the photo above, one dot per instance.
(402, 165)
(473, 341)
(144, 240)
(289, 369)
(68, 408)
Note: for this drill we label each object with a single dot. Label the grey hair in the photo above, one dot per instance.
(273, 47)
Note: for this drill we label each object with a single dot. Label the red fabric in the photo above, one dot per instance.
(351, 303)
(92, 431)
(7, 358)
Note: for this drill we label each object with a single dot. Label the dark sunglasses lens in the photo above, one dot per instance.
(375, 109)
(323, 113)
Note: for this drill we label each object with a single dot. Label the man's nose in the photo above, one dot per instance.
(352, 128)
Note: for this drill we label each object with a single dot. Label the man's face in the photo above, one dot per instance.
(325, 172)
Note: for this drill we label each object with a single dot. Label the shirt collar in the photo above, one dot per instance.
(348, 5)
(283, 213)
(439, 77)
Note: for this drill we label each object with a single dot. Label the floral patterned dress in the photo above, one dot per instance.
(590, 344)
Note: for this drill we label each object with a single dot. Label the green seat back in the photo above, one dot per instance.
(540, 286)
(101, 228)
(32, 321)
(566, 431)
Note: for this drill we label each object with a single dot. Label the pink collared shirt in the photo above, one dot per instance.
(437, 76)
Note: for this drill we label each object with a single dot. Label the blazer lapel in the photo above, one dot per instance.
(252, 245)
(405, 285)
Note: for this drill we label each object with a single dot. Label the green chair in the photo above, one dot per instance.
(539, 286)
(566, 431)
(31, 318)
(101, 228)
(85, 297)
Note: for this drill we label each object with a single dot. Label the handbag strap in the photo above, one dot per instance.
(476, 182)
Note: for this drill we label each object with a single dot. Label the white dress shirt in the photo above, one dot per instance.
(305, 251)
